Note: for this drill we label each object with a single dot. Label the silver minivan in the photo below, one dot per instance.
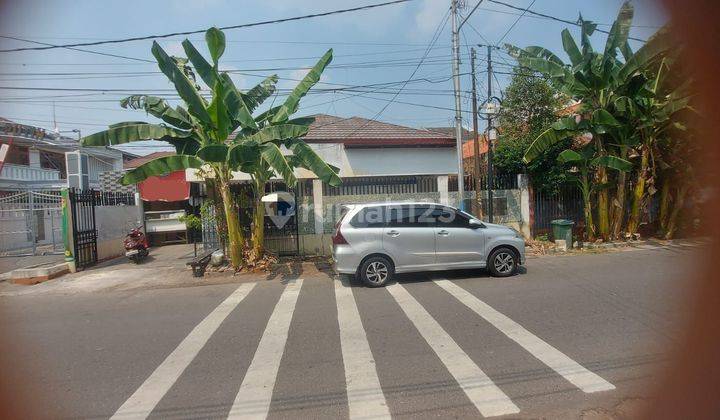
(375, 241)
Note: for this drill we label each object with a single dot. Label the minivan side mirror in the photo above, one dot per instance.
(475, 224)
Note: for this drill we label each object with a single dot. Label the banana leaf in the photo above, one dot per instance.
(236, 106)
(569, 156)
(160, 166)
(278, 132)
(215, 39)
(258, 94)
(293, 100)
(120, 134)
(541, 52)
(612, 162)
(157, 107)
(213, 153)
(186, 89)
(243, 153)
(619, 31)
(544, 141)
(308, 159)
(272, 154)
(219, 113)
(203, 68)
(571, 48)
(542, 66)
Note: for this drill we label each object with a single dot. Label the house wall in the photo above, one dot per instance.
(112, 224)
(402, 161)
(372, 161)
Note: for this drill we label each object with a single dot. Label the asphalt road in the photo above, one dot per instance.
(571, 336)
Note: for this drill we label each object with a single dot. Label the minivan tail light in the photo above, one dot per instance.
(338, 238)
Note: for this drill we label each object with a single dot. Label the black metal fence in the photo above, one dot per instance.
(565, 204)
(500, 182)
(369, 185)
(84, 230)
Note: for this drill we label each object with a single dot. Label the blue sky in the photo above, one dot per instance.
(374, 46)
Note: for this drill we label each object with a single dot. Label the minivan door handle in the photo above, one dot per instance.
(393, 233)
(443, 232)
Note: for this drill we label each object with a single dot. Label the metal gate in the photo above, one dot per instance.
(281, 240)
(84, 232)
(565, 204)
(31, 223)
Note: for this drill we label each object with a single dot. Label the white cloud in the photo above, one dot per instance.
(429, 15)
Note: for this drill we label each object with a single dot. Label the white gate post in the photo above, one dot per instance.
(524, 186)
(442, 185)
(318, 207)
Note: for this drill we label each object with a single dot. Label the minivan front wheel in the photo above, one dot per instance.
(503, 262)
(376, 271)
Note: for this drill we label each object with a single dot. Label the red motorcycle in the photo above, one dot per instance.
(136, 245)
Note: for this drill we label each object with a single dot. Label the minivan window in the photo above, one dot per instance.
(411, 216)
(450, 218)
(369, 217)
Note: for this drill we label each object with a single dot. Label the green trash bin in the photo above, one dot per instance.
(562, 229)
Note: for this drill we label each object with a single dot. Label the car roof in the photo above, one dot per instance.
(397, 203)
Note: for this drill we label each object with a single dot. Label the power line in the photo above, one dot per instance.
(75, 49)
(433, 40)
(246, 25)
(515, 23)
(569, 22)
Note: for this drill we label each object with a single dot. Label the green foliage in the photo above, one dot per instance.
(191, 221)
(529, 106)
(199, 130)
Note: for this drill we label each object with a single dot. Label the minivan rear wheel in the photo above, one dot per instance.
(503, 262)
(376, 271)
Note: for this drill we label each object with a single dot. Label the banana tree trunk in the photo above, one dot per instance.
(664, 212)
(602, 205)
(258, 224)
(673, 220)
(618, 215)
(587, 208)
(638, 193)
(235, 235)
(221, 225)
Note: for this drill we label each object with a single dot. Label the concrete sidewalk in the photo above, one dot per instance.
(165, 267)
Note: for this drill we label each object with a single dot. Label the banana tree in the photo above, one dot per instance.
(200, 128)
(257, 148)
(593, 79)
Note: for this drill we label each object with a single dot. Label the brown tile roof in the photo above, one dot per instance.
(469, 148)
(450, 131)
(134, 163)
(362, 132)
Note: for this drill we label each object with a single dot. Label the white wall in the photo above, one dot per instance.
(373, 162)
(113, 223)
(402, 161)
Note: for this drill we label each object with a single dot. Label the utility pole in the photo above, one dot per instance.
(487, 136)
(458, 112)
(476, 140)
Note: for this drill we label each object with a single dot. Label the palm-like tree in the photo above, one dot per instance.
(604, 85)
(200, 131)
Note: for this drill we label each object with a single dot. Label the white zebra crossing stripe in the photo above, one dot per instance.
(365, 397)
(146, 397)
(253, 399)
(552, 357)
(479, 388)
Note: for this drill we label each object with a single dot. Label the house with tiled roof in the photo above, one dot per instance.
(365, 147)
